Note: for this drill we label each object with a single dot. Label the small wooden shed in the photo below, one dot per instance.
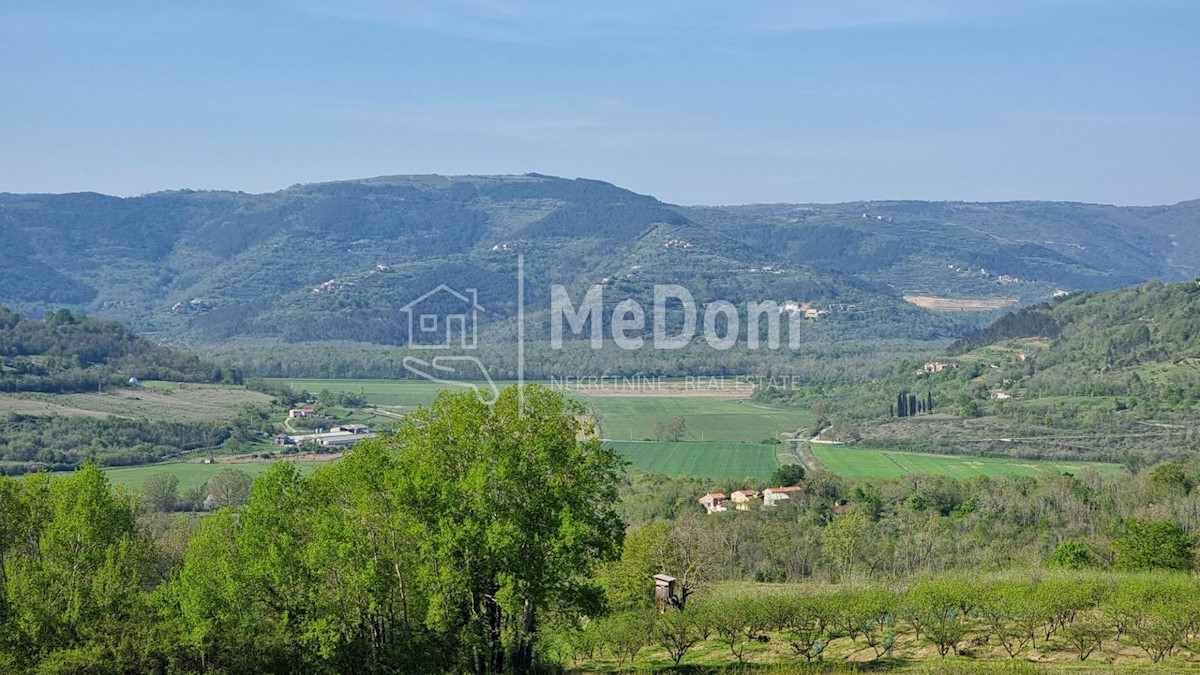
(664, 588)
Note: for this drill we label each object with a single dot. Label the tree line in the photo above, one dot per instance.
(31, 443)
(445, 548)
(482, 540)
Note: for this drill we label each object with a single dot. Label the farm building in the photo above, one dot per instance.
(772, 496)
(301, 412)
(348, 434)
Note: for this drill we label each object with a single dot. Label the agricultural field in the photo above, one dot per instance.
(713, 420)
(167, 401)
(722, 438)
(388, 393)
(191, 473)
(709, 417)
(856, 462)
(717, 461)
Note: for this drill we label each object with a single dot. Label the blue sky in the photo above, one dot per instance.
(693, 101)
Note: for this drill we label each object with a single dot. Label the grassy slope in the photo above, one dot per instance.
(855, 462)
(166, 401)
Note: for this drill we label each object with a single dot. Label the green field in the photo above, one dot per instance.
(854, 462)
(190, 473)
(623, 418)
(701, 460)
(714, 420)
(722, 434)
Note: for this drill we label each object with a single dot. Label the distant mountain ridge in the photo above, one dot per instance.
(336, 261)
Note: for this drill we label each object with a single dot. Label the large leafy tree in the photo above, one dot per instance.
(76, 574)
(516, 503)
(1153, 544)
(434, 549)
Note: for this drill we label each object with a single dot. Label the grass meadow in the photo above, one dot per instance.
(856, 462)
(701, 460)
(190, 473)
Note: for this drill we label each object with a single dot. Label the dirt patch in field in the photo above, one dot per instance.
(939, 304)
(43, 405)
(170, 402)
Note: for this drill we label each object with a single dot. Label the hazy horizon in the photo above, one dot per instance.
(628, 187)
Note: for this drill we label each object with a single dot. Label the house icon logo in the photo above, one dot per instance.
(443, 318)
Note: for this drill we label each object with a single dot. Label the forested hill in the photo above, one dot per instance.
(70, 352)
(338, 261)
(1153, 323)
(1109, 376)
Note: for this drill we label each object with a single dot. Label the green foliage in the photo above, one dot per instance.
(1072, 555)
(71, 352)
(788, 474)
(65, 442)
(939, 609)
(1158, 544)
(448, 541)
(75, 570)
(625, 634)
(1172, 480)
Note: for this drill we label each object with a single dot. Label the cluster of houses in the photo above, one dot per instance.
(717, 502)
(346, 434)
